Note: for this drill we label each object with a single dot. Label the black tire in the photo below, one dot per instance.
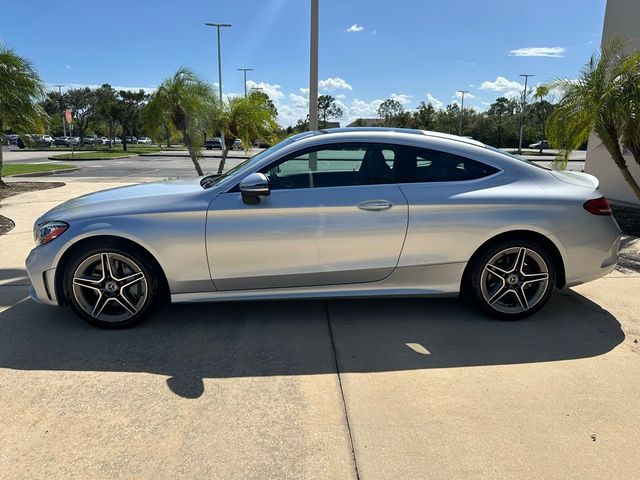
(512, 291)
(120, 257)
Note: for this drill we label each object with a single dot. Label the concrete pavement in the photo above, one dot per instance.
(394, 388)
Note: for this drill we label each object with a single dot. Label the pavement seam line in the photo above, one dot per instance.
(344, 403)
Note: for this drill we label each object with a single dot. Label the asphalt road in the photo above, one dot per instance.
(177, 164)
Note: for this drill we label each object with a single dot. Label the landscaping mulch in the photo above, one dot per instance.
(15, 188)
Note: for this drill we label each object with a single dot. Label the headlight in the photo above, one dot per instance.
(46, 232)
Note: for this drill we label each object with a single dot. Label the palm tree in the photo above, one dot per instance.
(20, 91)
(248, 119)
(605, 99)
(186, 100)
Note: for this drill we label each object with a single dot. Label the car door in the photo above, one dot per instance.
(334, 216)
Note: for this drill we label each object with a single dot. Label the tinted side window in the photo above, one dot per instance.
(424, 165)
(334, 166)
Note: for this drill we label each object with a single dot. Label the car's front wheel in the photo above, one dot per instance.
(109, 286)
(513, 279)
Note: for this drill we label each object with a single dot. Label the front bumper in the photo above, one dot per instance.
(42, 274)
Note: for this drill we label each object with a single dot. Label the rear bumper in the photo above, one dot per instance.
(592, 251)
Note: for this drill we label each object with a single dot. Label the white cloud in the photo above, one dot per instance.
(468, 95)
(330, 84)
(299, 101)
(403, 98)
(437, 104)
(508, 88)
(355, 28)
(556, 52)
(67, 66)
(274, 91)
(341, 96)
(374, 32)
(466, 64)
(361, 109)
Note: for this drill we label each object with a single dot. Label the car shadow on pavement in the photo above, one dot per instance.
(189, 343)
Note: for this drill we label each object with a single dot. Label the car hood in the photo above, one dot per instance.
(145, 198)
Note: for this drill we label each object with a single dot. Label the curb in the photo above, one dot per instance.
(91, 159)
(46, 173)
(182, 155)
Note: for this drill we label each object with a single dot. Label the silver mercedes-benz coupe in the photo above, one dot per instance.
(338, 213)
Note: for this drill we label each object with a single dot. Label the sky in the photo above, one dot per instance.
(370, 50)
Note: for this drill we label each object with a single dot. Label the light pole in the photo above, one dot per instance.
(245, 70)
(524, 104)
(313, 67)
(461, 110)
(218, 27)
(64, 127)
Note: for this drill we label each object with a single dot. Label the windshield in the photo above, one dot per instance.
(211, 180)
(516, 157)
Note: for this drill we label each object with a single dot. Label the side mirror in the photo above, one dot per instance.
(254, 186)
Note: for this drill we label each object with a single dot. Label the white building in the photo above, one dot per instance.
(621, 20)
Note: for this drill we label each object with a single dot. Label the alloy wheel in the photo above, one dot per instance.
(514, 280)
(110, 287)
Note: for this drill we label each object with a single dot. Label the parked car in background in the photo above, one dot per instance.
(62, 141)
(48, 139)
(540, 145)
(237, 144)
(12, 138)
(131, 140)
(117, 141)
(92, 140)
(212, 143)
(261, 143)
(144, 141)
(340, 213)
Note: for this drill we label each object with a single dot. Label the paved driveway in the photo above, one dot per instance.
(395, 388)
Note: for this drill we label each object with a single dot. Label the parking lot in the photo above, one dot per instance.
(369, 389)
(171, 164)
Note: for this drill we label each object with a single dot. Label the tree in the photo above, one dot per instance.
(248, 119)
(107, 109)
(424, 116)
(53, 106)
(128, 112)
(81, 101)
(265, 98)
(604, 99)
(186, 100)
(328, 109)
(390, 109)
(21, 89)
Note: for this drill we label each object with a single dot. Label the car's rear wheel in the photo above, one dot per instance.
(109, 286)
(513, 279)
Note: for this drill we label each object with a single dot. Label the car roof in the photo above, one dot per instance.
(409, 131)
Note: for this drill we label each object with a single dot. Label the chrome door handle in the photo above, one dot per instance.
(375, 205)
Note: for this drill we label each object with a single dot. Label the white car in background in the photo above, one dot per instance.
(144, 140)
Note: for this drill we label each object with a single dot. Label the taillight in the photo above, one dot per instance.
(598, 206)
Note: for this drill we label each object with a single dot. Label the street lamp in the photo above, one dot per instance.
(64, 127)
(313, 67)
(461, 110)
(218, 27)
(524, 104)
(245, 70)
